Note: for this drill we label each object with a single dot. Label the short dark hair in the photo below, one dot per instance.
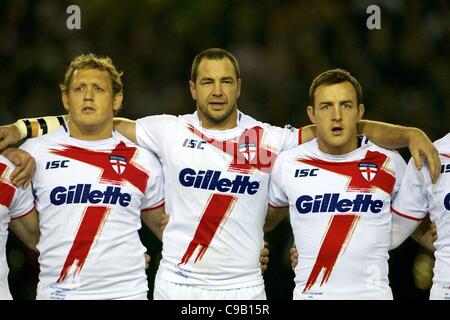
(335, 76)
(214, 54)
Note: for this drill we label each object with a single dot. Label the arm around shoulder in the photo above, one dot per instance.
(126, 127)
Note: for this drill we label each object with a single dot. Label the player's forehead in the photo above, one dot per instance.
(90, 75)
(216, 68)
(343, 91)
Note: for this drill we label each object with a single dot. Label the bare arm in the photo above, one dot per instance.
(395, 136)
(152, 219)
(274, 217)
(308, 133)
(426, 234)
(126, 127)
(9, 135)
(27, 229)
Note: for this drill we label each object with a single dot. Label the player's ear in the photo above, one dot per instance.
(117, 101)
(193, 90)
(360, 111)
(239, 88)
(310, 111)
(65, 100)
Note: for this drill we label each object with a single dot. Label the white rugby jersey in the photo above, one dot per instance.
(340, 215)
(89, 195)
(14, 203)
(417, 197)
(216, 184)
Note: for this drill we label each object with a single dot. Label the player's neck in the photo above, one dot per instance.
(337, 150)
(228, 123)
(90, 133)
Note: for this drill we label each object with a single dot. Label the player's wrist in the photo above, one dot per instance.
(35, 127)
(20, 129)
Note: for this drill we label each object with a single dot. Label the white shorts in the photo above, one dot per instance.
(165, 290)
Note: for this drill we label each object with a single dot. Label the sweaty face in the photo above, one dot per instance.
(216, 91)
(336, 115)
(90, 102)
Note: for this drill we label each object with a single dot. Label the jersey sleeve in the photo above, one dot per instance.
(154, 194)
(411, 200)
(20, 202)
(150, 131)
(400, 168)
(277, 191)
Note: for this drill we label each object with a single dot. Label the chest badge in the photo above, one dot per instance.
(118, 163)
(368, 170)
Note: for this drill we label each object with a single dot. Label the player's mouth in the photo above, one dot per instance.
(217, 105)
(88, 109)
(337, 130)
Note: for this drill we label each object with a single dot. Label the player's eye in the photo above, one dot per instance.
(98, 89)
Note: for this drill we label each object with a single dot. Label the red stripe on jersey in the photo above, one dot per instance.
(300, 141)
(338, 234)
(132, 174)
(405, 215)
(7, 191)
(88, 230)
(445, 155)
(217, 208)
(247, 152)
(276, 207)
(383, 180)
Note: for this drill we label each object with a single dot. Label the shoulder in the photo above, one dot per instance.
(143, 157)
(33, 145)
(443, 144)
(296, 152)
(395, 158)
(161, 119)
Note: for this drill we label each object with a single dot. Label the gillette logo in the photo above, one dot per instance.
(82, 193)
(210, 180)
(447, 201)
(330, 202)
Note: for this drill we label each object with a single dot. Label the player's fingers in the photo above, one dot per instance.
(25, 171)
(293, 250)
(434, 163)
(417, 161)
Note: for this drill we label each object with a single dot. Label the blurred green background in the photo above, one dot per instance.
(404, 69)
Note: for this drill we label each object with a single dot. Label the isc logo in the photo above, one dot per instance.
(57, 164)
(194, 144)
(445, 168)
(305, 173)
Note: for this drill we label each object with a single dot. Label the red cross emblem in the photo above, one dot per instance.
(368, 170)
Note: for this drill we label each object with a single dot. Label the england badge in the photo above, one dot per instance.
(368, 170)
(118, 163)
(248, 150)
